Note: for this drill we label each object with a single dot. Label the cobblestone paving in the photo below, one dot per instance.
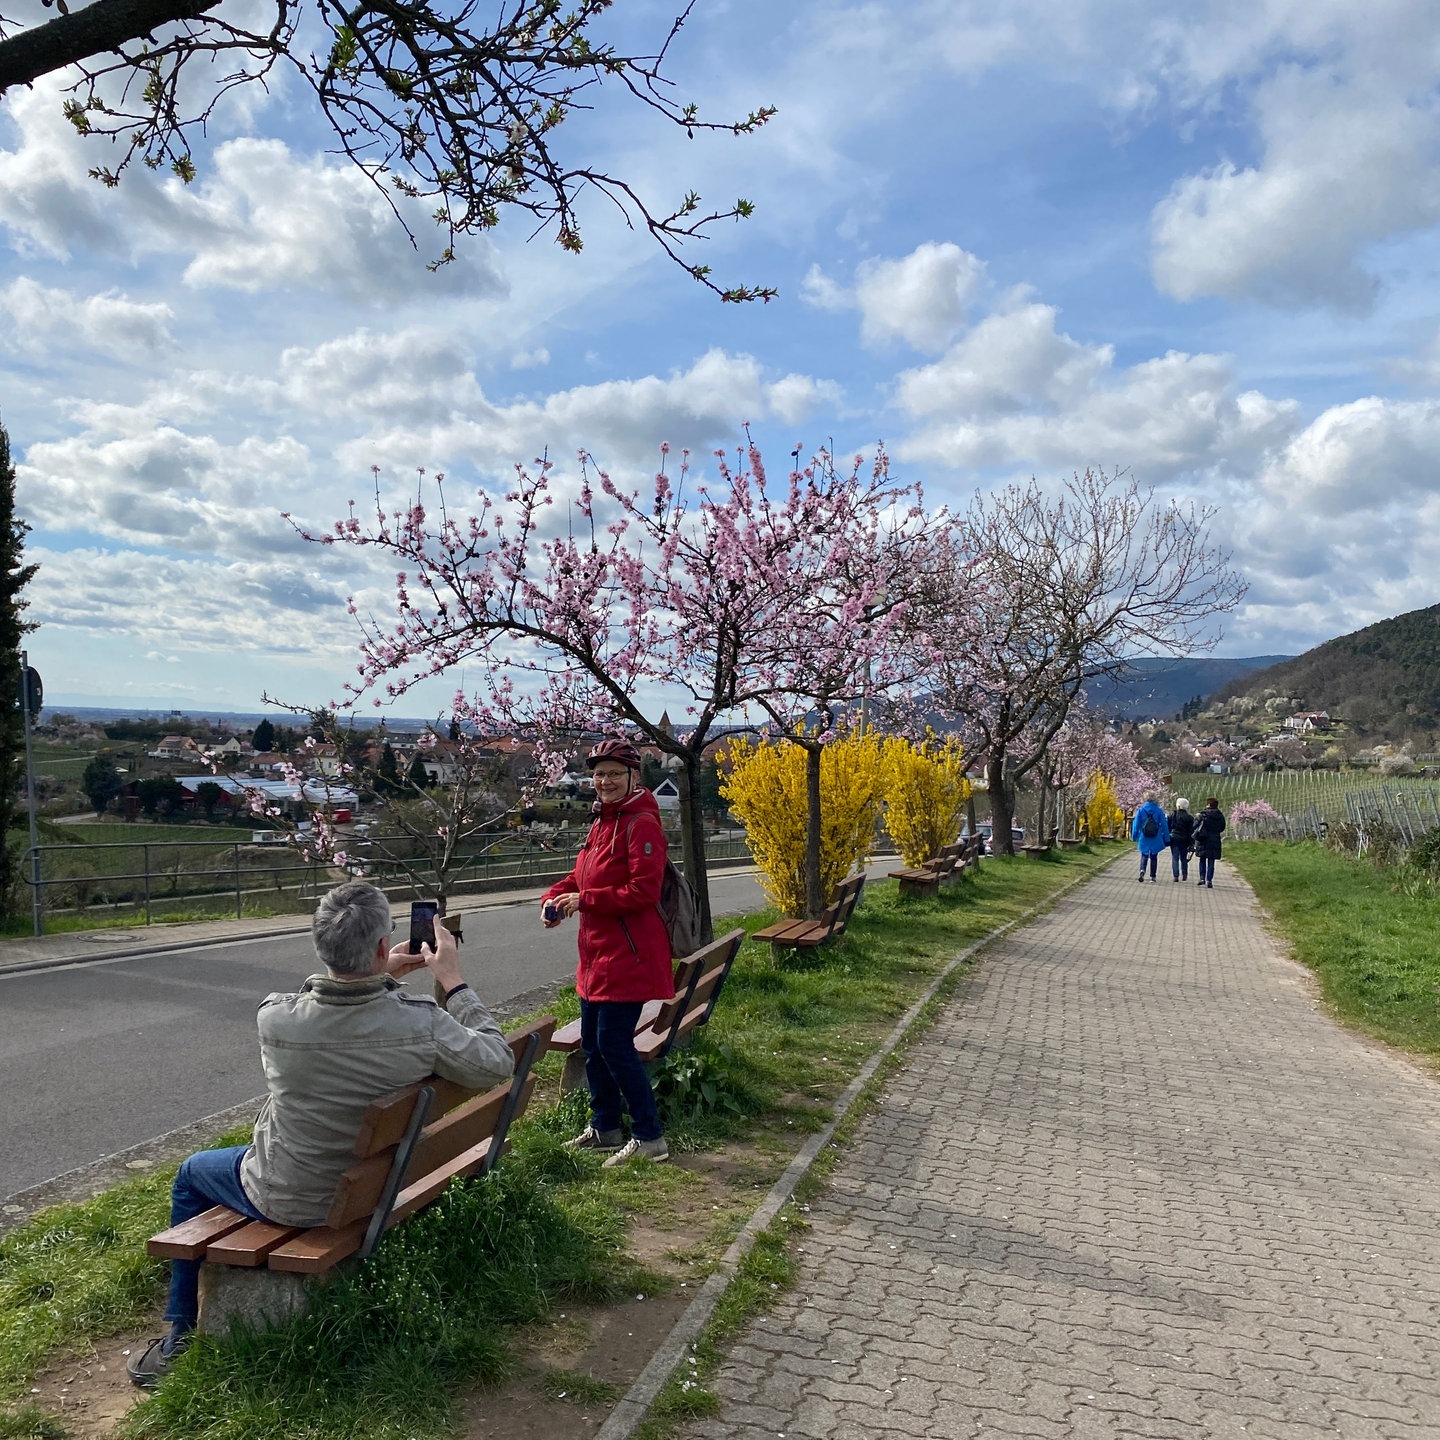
(1132, 1184)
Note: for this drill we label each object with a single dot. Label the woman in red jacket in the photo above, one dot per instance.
(624, 950)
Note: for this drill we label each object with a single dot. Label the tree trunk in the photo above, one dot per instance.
(692, 842)
(1002, 803)
(814, 895)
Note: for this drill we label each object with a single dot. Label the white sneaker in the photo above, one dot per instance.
(656, 1150)
(592, 1139)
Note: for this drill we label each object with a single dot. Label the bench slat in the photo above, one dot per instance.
(249, 1245)
(567, 1037)
(189, 1239)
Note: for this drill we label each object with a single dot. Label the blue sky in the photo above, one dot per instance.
(1196, 240)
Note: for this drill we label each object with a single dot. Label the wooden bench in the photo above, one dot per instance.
(1033, 851)
(404, 1159)
(663, 1024)
(810, 934)
(926, 878)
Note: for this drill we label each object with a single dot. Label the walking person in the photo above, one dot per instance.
(1151, 833)
(1208, 827)
(624, 951)
(1182, 839)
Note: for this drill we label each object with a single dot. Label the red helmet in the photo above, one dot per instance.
(622, 752)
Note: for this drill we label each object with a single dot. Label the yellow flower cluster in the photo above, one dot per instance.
(1102, 811)
(925, 793)
(765, 791)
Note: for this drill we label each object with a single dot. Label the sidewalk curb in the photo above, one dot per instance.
(635, 1405)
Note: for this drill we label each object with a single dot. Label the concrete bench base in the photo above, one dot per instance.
(257, 1297)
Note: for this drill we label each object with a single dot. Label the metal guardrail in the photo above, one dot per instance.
(246, 870)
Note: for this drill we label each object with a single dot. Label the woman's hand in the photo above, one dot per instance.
(560, 906)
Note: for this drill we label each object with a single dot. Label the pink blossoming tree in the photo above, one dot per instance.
(701, 589)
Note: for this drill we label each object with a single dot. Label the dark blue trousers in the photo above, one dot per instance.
(613, 1070)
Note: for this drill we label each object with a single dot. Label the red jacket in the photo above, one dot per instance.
(624, 950)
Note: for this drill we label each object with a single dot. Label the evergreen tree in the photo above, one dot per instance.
(100, 782)
(417, 774)
(264, 737)
(15, 575)
(389, 782)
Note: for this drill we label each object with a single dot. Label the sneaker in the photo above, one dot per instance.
(592, 1139)
(1209, 885)
(152, 1364)
(1142, 879)
(656, 1150)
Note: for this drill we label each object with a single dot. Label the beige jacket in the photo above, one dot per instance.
(328, 1051)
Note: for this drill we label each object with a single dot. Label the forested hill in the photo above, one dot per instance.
(1158, 689)
(1383, 680)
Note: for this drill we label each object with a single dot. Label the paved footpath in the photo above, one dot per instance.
(1132, 1184)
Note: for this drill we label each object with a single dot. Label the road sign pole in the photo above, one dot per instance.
(26, 693)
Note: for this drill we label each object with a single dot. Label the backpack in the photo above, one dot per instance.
(679, 908)
(1150, 829)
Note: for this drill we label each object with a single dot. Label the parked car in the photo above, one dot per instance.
(1017, 836)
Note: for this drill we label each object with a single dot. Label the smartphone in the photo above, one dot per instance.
(422, 924)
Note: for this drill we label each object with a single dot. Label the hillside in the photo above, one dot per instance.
(1157, 689)
(1383, 681)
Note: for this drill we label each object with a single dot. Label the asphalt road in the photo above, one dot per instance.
(101, 1055)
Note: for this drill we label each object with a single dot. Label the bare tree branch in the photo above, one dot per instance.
(428, 100)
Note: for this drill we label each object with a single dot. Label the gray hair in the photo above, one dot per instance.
(1182, 803)
(349, 923)
(1150, 796)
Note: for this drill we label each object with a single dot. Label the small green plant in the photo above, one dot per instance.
(578, 1389)
(704, 1084)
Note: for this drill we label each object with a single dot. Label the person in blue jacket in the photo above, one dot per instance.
(1151, 832)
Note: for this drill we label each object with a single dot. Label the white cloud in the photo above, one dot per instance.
(165, 488)
(190, 605)
(795, 398)
(45, 320)
(260, 218)
(1345, 165)
(621, 421)
(1360, 458)
(1016, 392)
(920, 298)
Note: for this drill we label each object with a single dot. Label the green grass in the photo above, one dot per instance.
(77, 1271)
(1372, 947)
(383, 1349)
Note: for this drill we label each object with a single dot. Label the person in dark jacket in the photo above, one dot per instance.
(1209, 825)
(1150, 832)
(1182, 838)
(624, 950)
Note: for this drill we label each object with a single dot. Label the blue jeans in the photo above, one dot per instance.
(613, 1070)
(208, 1178)
(1149, 860)
(1207, 869)
(1180, 861)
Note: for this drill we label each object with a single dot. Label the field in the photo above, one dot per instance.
(1313, 796)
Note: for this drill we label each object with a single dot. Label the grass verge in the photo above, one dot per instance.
(1371, 947)
(384, 1349)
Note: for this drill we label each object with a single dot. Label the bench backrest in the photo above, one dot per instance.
(847, 897)
(458, 1120)
(705, 973)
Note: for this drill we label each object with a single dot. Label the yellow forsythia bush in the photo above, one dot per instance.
(925, 795)
(1102, 811)
(765, 791)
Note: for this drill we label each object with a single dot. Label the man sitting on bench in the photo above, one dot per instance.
(345, 1038)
